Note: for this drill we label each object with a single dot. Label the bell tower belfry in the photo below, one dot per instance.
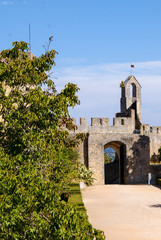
(131, 99)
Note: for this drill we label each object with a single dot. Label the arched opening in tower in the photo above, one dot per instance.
(114, 162)
(132, 90)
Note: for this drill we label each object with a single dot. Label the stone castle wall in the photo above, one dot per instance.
(136, 144)
(141, 147)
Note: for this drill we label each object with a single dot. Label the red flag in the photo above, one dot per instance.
(132, 66)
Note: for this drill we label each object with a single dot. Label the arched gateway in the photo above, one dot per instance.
(115, 171)
(134, 142)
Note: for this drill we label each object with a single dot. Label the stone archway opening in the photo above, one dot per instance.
(133, 90)
(114, 162)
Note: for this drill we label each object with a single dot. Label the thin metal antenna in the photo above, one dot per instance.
(29, 38)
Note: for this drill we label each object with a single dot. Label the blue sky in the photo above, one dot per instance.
(96, 41)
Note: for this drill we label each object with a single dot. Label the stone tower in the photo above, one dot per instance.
(131, 99)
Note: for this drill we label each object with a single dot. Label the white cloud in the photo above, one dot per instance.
(100, 92)
(73, 61)
(7, 2)
(24, 2)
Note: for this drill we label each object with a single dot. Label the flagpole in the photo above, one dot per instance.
(131, 66)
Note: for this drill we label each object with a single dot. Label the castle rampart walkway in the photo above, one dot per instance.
(125, 212)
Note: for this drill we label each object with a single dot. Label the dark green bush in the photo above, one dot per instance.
(158, 181)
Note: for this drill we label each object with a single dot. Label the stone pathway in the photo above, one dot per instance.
(125, 212)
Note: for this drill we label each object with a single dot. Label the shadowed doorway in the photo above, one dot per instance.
(114, 162)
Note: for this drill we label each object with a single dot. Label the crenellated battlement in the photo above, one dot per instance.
(146, 129)
(100, 122)
(156, 130)
(120, 124)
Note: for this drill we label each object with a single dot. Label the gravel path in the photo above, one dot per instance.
(125, 212)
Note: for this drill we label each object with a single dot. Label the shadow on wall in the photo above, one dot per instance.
(139, 161)
(85, 148)
(155, 158)
(112, 173)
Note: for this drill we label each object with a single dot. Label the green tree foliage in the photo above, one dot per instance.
(36, 153)
(107, 159)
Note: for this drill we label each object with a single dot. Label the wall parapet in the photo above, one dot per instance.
(120, 125)
(156, 130)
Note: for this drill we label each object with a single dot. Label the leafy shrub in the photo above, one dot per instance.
(85, 174)
(158, 181)
(69, 223)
